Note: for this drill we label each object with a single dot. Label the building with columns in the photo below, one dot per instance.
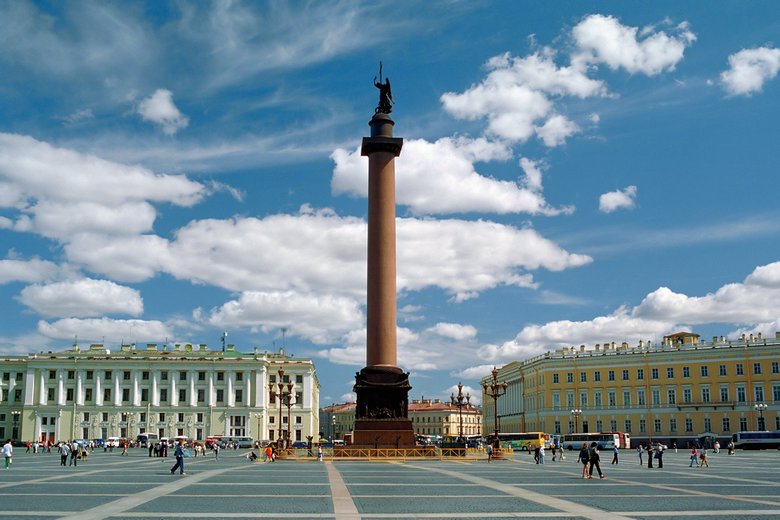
(170, 390)
(675, 389)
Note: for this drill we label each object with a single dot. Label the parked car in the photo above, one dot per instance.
(300, 444)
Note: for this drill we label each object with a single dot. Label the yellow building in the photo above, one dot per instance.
(677, 389)
(180, 389)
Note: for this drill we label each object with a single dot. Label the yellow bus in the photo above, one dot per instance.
(526, 441)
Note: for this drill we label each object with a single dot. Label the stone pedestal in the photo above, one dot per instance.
(381, 419)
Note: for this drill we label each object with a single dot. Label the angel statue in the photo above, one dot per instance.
(385, 94)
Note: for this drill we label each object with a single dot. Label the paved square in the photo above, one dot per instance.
(745, 486)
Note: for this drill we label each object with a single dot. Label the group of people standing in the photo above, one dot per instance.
(71, 452)
(653, 452)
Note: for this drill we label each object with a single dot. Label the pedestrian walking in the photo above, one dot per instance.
(8, 453)
(489, 451)
(178, 453)
(319, 453)
(694, 457)
(615, 455)
(703, 458)
(553, 448)
(64, 452)
(584, 458)
(216, 451)
(541, 454)
(73, 455)
(595, 458)
(640, 451)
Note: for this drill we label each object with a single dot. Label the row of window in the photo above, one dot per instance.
(145, 374)
(671, 396)
(655, 373)
(183, 393)
(466, 419)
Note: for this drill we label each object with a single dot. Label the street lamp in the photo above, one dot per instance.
(16, 414)
(760, 407)
(458, 400)
(332, 425)
(282, 391)
(494, 390)
(576, 413)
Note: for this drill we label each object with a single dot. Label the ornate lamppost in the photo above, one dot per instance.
(458, 400)
(288, 403)
(494, 390)
(16, 414)
(576, 412)
(282, 391)
(760, 407)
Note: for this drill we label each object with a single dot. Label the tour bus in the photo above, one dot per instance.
(145, 439)
(624, 440)
(605, 440)
(526, 441)
(756, 440)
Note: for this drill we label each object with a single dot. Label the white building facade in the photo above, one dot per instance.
(175, 390)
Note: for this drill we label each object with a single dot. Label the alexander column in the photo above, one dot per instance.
(382, 388)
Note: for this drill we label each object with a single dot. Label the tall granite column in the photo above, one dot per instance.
(381, 415)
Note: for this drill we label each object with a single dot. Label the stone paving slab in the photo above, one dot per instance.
(742, 487)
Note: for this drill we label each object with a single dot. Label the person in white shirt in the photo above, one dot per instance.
(8, 453)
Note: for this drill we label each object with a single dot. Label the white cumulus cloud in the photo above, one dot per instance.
(749, 69)
(33, 270)
(160, 109)
(618, 199)
(82, 298)
(603, 39)
(454, 331)
(106, 330)
(61, 193)
(318, 318)
(517, 95)
(441, 178)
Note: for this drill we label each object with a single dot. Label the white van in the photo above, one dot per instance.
(112, 442)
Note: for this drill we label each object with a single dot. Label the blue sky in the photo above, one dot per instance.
(572, 173)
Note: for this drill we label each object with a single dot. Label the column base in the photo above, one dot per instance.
(381, 414)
